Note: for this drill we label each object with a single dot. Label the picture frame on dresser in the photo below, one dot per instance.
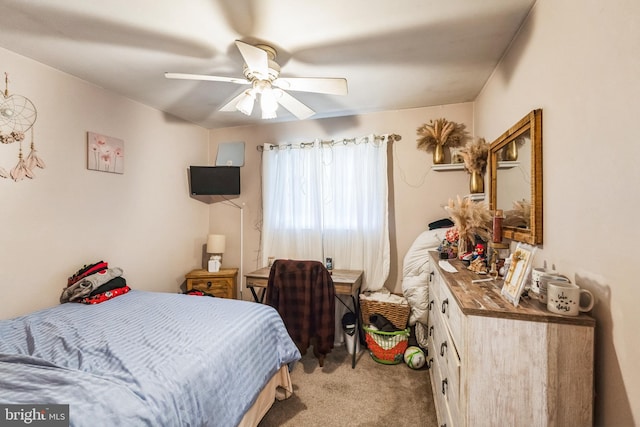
(519, 269)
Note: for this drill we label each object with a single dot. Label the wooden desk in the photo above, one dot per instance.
(345, 282)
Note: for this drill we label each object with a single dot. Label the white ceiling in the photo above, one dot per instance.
(394, 54)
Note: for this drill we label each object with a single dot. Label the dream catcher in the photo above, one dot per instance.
(17, 117)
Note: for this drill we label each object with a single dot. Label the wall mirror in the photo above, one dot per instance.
(515, 173)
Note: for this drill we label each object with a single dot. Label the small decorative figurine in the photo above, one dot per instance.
(478, 260)
(478, 265)
(478, 252)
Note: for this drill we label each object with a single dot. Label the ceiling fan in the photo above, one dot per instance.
(263, 74)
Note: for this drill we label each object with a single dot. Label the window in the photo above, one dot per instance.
(328, 200)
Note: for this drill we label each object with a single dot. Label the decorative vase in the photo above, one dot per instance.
(438, 154)
(510, 153)
(476, 183)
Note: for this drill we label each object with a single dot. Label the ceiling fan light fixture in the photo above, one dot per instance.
(267, 117)
(268, 114)
(245, 104)
(268, 103)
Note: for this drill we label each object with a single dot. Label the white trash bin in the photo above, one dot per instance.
(350, 329)
(351, 337)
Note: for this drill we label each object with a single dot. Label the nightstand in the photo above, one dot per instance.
(221, 284)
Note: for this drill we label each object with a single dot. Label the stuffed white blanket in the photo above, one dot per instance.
(415, 273)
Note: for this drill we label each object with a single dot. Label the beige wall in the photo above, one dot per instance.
(417, 194)
(142, 221)
(580, 61)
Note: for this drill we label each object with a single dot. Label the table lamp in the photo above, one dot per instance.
(215, 246)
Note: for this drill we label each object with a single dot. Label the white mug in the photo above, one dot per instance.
(544, 280)
(536, 274)
(564, 298)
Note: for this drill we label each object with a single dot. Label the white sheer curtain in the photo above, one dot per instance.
(329, 199)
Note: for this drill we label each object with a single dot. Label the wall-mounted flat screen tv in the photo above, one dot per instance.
(214, 180)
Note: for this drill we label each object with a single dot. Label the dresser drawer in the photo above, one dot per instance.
(446, 312)
(450, 310)
(222, 287)
(438, 385)
(431, 345)
(221, 284)
(445, 303)
(447, 358)
(445, 317)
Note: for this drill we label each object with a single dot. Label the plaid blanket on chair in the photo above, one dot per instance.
(303, 293)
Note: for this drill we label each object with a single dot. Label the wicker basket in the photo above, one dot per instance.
(387, 347)
(398, 314)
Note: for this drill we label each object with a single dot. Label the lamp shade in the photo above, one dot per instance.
(245, 104)
(216, 243)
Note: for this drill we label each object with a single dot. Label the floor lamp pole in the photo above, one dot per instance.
(240, 287)
(241, 247)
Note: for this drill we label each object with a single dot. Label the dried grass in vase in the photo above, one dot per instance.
(472, 219)
(519, 216)
(441, 132)
(475, 155)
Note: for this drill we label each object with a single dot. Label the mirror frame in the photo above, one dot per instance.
(531, 122)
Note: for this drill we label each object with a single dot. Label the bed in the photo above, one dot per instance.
(149, 358)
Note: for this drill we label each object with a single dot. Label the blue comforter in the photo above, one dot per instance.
(145, 358)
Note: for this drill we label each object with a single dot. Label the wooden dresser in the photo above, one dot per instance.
(221, 284)
(492, 364)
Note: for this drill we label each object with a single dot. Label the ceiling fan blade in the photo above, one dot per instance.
(231, 105)
(256, 59)
(296, 107)
(333, 86)
(183, 76)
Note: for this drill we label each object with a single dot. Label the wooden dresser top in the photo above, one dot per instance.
(485, 298)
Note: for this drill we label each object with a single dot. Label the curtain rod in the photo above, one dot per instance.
(392, 137)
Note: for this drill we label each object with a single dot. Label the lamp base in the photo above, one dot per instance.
(214, 264)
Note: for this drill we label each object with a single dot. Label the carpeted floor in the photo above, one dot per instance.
(370, 395)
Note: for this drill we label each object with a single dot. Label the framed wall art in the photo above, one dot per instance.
(519, 269)
(105, 153)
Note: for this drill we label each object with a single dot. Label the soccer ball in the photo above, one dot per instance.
(414, 357)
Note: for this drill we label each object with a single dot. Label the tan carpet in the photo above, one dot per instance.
(370, 395)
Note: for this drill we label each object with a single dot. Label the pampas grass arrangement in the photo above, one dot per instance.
(475, 155)
(519, 216)
(441, 132)
(471, 219)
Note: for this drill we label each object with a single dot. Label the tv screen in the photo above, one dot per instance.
(214, 180)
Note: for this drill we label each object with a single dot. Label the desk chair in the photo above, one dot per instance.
(303, 293)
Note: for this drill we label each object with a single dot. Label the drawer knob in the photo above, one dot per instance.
(429, 363)
(445, 304)
(431, 330)
(208, 284)
(431, 277)
(443, 347)
(431, 304)
(445, 384)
